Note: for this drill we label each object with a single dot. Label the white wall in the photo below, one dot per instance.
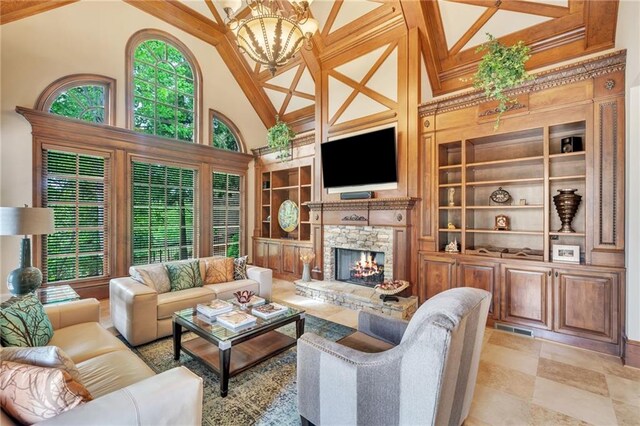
(90, 37)
(628, 37)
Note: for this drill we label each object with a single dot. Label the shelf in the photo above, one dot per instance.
(452, 166)
(506, 182)
(305, 222)
(285, 187)
(266, 205)
(530, 206)
(566, 155)
(574, 177)
(449, 207)
(493, 231)
(266, 221)
(520, 161)
(567, 234)
(449, 185)
(450, 230)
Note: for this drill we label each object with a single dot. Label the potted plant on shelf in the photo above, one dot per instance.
(279, 138)
(501, 69)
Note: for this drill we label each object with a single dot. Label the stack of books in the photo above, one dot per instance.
(269, 310)
(214, 308)
(236, 319)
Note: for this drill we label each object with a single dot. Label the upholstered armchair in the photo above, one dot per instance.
(417, 372)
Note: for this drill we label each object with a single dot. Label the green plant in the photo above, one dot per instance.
(279, 138)
(500, 69)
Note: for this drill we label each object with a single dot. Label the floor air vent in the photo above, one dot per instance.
(516, 330)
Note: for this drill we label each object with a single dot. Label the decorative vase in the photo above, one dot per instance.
(306, 272)
(567, 203)
(26, 278)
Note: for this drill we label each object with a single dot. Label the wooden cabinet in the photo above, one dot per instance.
(526, 296)
(267, 254)
(283, 257)
(587, 305)
(438, 275)
(482, 275)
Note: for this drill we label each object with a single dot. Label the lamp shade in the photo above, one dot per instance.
(26, 221)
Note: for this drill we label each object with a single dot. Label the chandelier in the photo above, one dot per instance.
(271, 35)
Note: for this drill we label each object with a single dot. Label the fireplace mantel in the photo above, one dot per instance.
(400, 203)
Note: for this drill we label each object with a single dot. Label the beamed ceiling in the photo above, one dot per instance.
(450, 31)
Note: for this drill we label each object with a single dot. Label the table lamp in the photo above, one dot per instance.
(25, 221)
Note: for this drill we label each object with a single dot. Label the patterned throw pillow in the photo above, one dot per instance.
(42, 356)
(240, 268)
(31, 394)
(23, 322)
(154, 276)
(184, 275)
(218, 270)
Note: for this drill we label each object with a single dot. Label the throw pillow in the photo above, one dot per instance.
(240, 268)
(184, 275)
(23, 322)
(31, 394)
(154, 276)
(42, 356)
(218, 270)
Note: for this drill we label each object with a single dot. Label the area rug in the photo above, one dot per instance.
(263, 395)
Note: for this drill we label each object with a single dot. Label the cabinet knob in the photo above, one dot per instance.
(556, 274)
(549, 273)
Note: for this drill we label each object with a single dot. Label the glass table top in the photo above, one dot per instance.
(191, 318)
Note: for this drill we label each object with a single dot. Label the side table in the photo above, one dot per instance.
(56, 294)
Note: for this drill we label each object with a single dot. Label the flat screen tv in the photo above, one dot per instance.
(364, 159)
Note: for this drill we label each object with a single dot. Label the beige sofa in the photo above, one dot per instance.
(142, 314)
(125, 390)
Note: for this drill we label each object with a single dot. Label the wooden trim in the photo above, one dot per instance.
(19, 9)
(399, 203)
(541, 9)
(152, 34)
(631, 353)
(300, 140)
(473, 30)
(230, 124)
(51, 92)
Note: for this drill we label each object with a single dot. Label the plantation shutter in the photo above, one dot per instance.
(76, 187)
(226, 214)
(163, 213)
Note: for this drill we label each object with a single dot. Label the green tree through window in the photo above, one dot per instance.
(84, 102)
(226, 214)
(163, 213)
(223, 137)
(164, 91)
(75, 187)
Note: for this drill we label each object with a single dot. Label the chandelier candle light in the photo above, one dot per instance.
(271, 36)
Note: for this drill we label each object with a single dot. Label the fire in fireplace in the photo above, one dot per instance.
(359, 266)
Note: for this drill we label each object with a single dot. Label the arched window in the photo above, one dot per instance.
(163, 93)
(223, 133)
(86, 97)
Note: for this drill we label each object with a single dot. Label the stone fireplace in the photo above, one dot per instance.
(362, 267)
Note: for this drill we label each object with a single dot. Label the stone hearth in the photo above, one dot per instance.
(356, 297)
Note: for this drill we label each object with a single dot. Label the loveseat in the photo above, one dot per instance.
(124, 389)
(142, 312)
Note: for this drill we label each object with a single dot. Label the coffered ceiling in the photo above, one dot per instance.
(450, 31)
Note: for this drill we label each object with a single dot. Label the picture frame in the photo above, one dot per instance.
(565, 253)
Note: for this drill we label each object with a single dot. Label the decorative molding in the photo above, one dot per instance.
(302, 140)
(355, 217)
(400, 203)
(613, 105)
(609, 84)
(496, 110)
(568, 74)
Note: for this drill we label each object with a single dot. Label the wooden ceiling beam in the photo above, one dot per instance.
(214, 12)
(12, 10)
(473, 30)
(531, 8)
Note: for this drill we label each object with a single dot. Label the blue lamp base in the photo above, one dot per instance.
(26, 278)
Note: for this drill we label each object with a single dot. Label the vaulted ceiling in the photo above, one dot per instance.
(450, 32)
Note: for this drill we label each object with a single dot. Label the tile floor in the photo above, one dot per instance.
(522, 381)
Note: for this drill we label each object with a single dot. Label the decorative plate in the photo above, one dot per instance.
(288, 216)
(500, 196)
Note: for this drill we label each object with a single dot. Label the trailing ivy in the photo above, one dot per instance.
(279, 138)
(500, 69)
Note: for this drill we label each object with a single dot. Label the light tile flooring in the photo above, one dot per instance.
(522, 381)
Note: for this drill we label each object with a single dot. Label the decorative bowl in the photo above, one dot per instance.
(244, 296)
(391, 287)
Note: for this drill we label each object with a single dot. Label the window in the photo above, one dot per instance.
(224, 134)
(164, 84)
(84, 97)
(76, 188)
(226, 214)
(163, 213)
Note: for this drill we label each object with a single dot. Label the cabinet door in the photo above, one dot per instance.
(436, 275)
(586, 305)
(274, 262)
(483, 275)
(290, 256)
(526, 296)
(260, 257)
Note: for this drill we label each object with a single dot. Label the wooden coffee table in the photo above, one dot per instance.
(251, 345)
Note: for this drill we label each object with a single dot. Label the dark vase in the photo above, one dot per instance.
(567, 202)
